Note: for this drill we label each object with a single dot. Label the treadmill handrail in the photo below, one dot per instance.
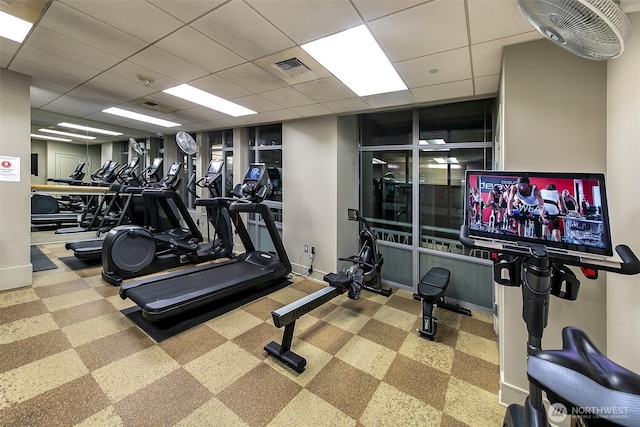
(264, 210)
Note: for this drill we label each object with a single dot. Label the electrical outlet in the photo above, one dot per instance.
(306, 248)
(313, 250)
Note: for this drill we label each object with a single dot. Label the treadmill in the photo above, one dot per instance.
(251, 272)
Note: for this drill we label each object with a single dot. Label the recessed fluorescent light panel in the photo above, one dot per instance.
(208, 100)
(443, 166)
(49, 138)
(13, 28)
(140, 117)
(447, 160)
(72, 135)
(437, 141)
(356, 59)
(89, 129)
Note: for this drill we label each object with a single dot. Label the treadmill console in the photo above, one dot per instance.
(253, 178)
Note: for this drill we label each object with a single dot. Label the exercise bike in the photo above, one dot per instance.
(578, 379)
(364, 271)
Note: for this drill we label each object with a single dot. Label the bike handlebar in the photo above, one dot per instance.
(630, 264)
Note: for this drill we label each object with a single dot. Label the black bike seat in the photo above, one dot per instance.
(581, 375)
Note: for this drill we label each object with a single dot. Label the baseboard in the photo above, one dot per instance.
(16, 277)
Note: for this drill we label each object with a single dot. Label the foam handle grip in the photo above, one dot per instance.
(630, 263)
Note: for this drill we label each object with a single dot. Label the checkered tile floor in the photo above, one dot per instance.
(68, 356)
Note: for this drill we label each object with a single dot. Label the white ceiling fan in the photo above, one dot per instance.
(186, 143)
(593, 29)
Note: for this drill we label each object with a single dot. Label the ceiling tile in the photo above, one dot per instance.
(252, 78)
(304, 21)
(487, 57)
(65, 47)
(129, 71)
(445, 91)
(135, 17)
(198, 49)
(283, 114)
(257, 103)
(7, 49)
(487, 84)
(90, 31)
(41, 93)
(62, 80)
(429, 28)
(219, 87)
(242, 30)
(375, 9)
(324, 90)
(347, 105)
(187, 10)
(494, 19)
(167, 64)
(199, 114)
(287, 97)
(452, 66)
(390, 99)
(50, 61)
(73, 106)
(312, 110)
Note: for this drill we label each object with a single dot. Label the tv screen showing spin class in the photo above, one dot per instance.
(564, 211)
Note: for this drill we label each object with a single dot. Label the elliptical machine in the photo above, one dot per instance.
(364, 272)
(133, 250)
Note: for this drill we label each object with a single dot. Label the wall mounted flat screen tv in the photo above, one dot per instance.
(566, 212)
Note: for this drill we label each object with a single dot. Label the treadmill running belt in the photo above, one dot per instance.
(172, 295)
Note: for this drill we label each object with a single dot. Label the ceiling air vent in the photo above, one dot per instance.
(292, 67)
(152, 105)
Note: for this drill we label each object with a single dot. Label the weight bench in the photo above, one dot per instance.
(431, 292)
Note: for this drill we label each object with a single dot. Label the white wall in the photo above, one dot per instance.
(318, 156)
(623, 176)
(554, 106)
(15, 123)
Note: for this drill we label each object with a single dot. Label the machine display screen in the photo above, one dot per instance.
(564, 211)
(215, 166)
(255, 172)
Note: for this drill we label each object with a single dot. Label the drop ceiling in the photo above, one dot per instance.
(85, 56)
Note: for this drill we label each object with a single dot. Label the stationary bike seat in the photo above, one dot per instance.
(584, 377)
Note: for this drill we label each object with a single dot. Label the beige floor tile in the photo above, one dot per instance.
(391, 407)
(49, 278)
(259, 395)
(432, 353)
(212, 414)
(315, 357)
(93, 329)
(287, 295)
(394, 317)
(346, 319)
(18, 296)
(367, 356)
(106, 417)
(307, 409)
(221, 366)
(473, 405)
(26, 328)
(233, 323)
(479, 347)
(37, 377)
(127, 375)
(71, 299)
